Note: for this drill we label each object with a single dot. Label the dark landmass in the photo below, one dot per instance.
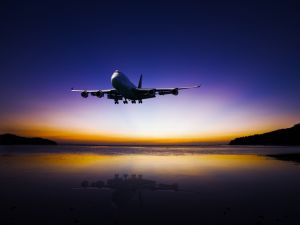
(293, 157)
(288, 137)
(11, 139)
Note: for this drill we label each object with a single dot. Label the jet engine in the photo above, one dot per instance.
(151, 92)
(167, 91)
(175, 91)
(99, 94)
(84, 94)
(145, 93)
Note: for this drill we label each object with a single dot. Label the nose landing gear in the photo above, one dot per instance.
(116, 101)
(140, 101)
(125, 101)
(133, 101)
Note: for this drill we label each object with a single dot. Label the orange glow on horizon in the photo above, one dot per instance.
(77, 137)
(212, 120)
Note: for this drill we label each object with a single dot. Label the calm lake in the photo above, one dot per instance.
(148, 185)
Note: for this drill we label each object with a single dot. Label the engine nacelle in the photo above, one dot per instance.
(152, 92)
(84, 94)
(175, 91)
(114, 96)
(99, 94)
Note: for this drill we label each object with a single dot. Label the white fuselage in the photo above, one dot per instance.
(121, 83)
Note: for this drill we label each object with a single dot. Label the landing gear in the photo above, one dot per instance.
(126, 101)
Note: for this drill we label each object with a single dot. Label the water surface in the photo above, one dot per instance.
(190, 185)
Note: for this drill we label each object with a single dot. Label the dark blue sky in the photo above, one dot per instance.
(248, 49)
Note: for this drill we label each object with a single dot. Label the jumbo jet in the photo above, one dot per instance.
(125, 90)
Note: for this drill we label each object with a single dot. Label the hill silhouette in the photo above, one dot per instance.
(11, 139)
(288, 136)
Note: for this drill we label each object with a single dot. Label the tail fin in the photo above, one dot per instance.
(140, 81)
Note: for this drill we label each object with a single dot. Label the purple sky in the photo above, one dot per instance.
(246, 55)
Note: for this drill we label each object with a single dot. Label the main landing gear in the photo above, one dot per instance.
(126, 102)
(134, 101)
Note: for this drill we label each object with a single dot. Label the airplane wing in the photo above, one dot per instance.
(174, 91)
(94, 91)
(111, 93)
(190, 87)
(151, 92)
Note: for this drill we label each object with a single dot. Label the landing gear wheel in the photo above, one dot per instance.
(116, 102)
(133, 101)
(140, 101)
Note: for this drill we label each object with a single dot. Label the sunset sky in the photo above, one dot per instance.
(244, 53)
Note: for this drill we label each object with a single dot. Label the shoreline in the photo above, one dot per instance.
(292, 157)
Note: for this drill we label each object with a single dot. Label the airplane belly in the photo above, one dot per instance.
(124, 89)
(128, 94)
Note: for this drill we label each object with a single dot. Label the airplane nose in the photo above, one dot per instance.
(115, 74)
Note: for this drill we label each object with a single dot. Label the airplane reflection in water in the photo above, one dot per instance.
(213, 188)
(125, 188)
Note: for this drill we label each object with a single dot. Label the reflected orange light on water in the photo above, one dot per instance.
(136, 163)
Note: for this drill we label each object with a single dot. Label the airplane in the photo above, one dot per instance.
(125, 89)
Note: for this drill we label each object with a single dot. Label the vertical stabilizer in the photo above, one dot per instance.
(140, 81)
